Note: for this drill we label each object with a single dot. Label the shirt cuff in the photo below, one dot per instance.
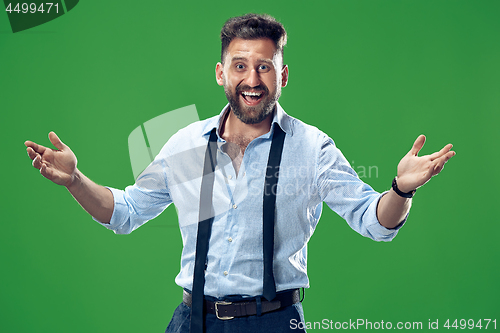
(120, 208)
(377, 230)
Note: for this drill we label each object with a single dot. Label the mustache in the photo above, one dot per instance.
(259, 88)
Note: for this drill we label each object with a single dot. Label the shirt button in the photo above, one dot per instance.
(230, 177)
(226, 273)
(229, 239)
(234, 206)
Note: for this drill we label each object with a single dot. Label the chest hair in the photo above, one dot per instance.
(235, 148)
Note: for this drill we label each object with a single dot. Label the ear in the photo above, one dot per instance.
(284, 76)
(219, 73)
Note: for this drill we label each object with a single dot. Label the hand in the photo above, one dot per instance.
(415, 171)
(59, 165)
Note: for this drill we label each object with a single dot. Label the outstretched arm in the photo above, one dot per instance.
(413, 172)
(59, 166)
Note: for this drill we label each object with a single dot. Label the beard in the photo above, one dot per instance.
(252, 114)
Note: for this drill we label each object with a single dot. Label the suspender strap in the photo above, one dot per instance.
(269, 208)
(204, 229)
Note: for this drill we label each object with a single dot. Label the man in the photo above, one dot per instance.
(244, 225)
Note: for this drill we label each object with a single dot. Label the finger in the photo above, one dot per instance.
(440, 162)
(417, 145)
(440, 153)
(37, 162)
(47, 173)
(54, 139)
(31, 153)
(438, 167)
(36, 147)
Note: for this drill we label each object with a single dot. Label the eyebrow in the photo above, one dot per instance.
(267, 61)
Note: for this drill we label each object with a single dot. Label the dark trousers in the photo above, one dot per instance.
(282, 320)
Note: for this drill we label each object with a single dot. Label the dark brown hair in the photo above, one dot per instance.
(252, 26)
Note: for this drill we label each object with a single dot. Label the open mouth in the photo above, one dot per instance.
(252, 97)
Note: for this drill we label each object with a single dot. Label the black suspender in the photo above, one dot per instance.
(204, 229)
(268, 210)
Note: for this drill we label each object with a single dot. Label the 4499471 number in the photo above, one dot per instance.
(470, 324)
(32, 8)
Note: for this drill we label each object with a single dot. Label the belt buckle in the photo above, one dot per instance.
(217, 310)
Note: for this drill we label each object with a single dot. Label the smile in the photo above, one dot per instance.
(252, 97)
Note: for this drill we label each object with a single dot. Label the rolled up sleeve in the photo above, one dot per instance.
(135, 206)
(355, 201)
(374, 228)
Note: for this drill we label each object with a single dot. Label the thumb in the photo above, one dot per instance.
(54, 139)
(417, 145)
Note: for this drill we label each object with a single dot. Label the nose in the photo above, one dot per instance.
(253, 79)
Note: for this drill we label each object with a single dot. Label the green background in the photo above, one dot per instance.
(371, 74)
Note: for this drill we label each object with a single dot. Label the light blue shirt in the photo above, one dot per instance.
(312, 171)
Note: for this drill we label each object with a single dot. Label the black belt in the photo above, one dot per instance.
(229, 310)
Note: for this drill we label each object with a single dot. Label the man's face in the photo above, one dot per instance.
(252, 76)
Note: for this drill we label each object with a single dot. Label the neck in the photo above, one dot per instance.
(233, 127)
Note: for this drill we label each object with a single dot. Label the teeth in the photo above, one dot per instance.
(251, 93)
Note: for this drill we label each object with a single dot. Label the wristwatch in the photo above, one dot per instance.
(398, 191)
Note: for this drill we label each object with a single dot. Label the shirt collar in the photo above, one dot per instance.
(280, 118)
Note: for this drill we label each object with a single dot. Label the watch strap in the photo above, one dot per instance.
(407, 195)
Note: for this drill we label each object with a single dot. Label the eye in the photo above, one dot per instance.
(240, 66)
(264, 68)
